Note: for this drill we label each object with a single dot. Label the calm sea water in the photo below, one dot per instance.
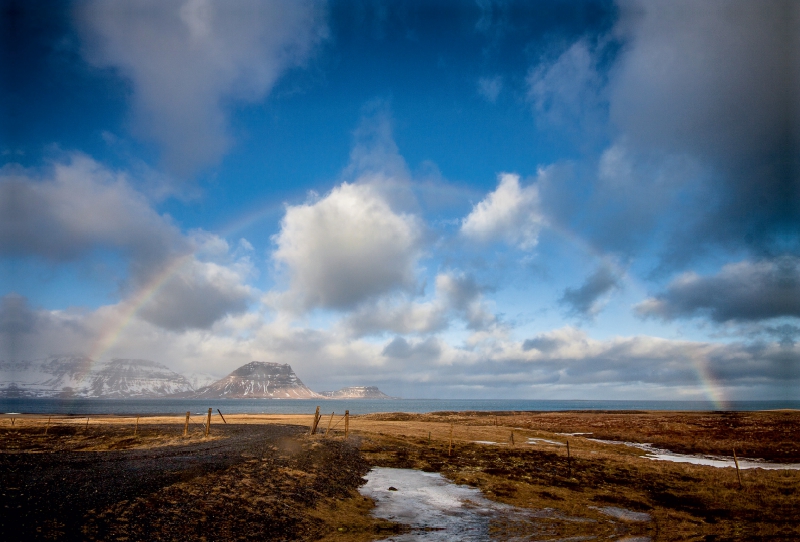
(355, 406)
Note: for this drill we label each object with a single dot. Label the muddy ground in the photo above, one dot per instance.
(264, 478)
(248, 482)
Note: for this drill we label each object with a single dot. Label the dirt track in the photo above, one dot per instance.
(181, 492)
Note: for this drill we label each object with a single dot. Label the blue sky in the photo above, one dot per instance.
(444, 199)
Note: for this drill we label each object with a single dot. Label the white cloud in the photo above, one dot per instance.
(197, 294)
(743, 291)
(457, 296)
(557, 364)
(346, 248)
(75, 207)
(510, 213)
(567, 93)
(490, 87)
(79, 210)
(186, 57)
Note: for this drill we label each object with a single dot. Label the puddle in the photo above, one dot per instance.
(658, 454)
(438, 510)
(532, 440)
(623, 513)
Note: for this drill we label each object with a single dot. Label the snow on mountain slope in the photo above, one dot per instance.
(259, 379)
(356, 392)
(201, 380)
(134, 378)
(78, 376)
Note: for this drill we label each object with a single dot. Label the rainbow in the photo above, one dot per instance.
(128, 309)
(116, 325)
(713, 391)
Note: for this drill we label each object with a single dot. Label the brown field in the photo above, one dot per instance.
(304, 483)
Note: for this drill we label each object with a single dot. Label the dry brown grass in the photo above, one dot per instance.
(687, 502)
(72, 433)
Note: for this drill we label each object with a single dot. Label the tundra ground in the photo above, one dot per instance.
(263, 477)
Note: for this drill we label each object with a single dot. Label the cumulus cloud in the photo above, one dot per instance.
(588, 299)
(743, 291)
(464, 296)
(30, 333)
(347, 247)
(196, 295)
(489, 87)
(579, 359)
(399, 348)
(457, 296)
(511, 213)
(78, 209)
(555, 364)
(186, 58)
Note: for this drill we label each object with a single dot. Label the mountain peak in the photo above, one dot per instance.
(259, 379)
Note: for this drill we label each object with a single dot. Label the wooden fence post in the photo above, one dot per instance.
(512, 438)
(136, 427)
(450, 449)
(330, 421)
(186, 425)
(46, 427)
(346, 423)
(315, 422)
(223, 417)
(738, 474)
(87, 422)
(208, 423)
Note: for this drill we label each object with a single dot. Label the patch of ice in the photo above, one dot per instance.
(483, 442)
(623, 513)
(574, 434)
(532, 440)
(658, 454)
(434, 508)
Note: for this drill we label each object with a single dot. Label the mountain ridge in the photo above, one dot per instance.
(122, 378)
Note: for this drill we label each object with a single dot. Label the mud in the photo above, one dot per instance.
(250, 483)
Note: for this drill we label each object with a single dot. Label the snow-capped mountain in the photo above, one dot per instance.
(356, 392)
(259, 379)
(78, 376)
(201, 380)
(135, 378)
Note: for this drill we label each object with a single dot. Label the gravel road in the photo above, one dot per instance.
(48, 495)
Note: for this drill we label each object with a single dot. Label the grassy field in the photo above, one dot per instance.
(491, 451)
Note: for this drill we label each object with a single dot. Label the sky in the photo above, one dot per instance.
(447, 199)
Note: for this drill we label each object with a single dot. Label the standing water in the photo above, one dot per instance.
(435, 509)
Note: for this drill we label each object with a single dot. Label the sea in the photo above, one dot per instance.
(125, 407)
